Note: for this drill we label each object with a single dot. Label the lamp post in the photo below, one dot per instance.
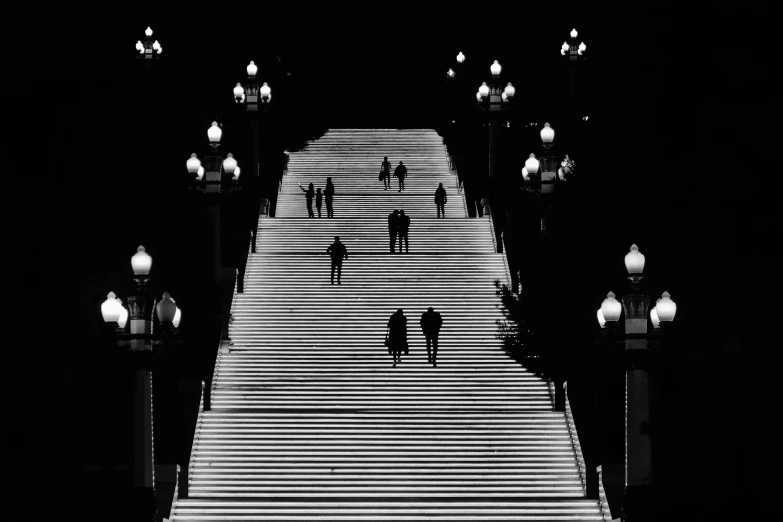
(140, 349)
(252, 100)
(575, 54)
(494, 100)
(639, 356)
(148, 50)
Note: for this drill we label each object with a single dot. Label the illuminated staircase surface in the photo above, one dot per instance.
(309, 419)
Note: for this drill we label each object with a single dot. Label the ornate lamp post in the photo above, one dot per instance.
(639, 357)
(575, 54)
(148, 50)
(140, 348)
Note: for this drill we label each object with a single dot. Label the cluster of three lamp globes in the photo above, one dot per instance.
(483, 91)
(565, 47)
(155, 46)
(265, 91)
(113, 310)
(532, 164)
(229, 164)
(610, 310)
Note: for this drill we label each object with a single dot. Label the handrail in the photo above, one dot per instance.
(505, 260)
(182, 482)
(277, 198)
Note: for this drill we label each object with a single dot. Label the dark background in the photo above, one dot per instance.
(679, 156)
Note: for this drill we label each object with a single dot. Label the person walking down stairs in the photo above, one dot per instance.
(338, 252)
(402, 229)
(440, 200)
(386, 173)
(329, 196)
(309, 194)
(401, 172)
(394, 222)
(397, 335)
(431, 322)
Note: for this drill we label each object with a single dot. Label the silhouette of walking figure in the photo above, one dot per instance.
(309, 194)
(440, 200)
(394, 221)
(329, 196)
(386, 173)
(338, 252)
(401, 172)
(398, 336)
(431, 322)
(402, 229)
(318, 200)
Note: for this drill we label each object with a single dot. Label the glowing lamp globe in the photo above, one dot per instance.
(484, 90)
(148, 32)
(547, 134)
(656, 321)
(611, 308)
(503, 97)
(524, 172)
(111, 309)
(141, 262)
(582, 48)
(634, 261)
(156, 45)
(565, 47)
(573, 33)
(495, 68)
(177, 318)
(666, 308)
(252, 69)
(214, 133)
(160, 48)
(478, 96)
(229, 164)
(601, 320)
(200, 173)
(266, 91)
(236, 174)
(532, 165)
(450, 73)
(238, 91)
(509, 91)
(460, 57)
(166, 309)
(123, 320)
(193, 164)
(140, 46)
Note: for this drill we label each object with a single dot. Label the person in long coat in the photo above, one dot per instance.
(401, 172)
(329, 196)
(398, 336)
(309, 194)
(394, 222)
(430, 322)
(386, 173)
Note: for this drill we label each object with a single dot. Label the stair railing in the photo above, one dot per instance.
(277, 198)
(183, 474)
(505, 258)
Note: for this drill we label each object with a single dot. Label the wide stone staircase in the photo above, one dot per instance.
(309, 419)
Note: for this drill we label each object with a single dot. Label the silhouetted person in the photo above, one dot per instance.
(431, 322)
(318, 200)
(338, 252)
(402, 229)
(394, 222)
(309, 194)
(401, 172)
(329, 196)
(398, 335)
(440, 200)
(386, 173)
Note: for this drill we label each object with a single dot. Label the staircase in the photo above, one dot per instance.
(309, 419)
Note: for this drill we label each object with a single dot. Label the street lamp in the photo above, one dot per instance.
(639, 357)
(248, 97)
(148, 50)
(461, 57)
(575, 52)
(141, 349)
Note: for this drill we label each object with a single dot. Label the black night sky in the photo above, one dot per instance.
(678, 156)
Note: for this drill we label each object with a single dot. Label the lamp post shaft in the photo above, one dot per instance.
(494, 129)
(214, 230)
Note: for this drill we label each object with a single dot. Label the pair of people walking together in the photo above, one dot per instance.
(397, 334)
(401, 172)
(399, 224)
